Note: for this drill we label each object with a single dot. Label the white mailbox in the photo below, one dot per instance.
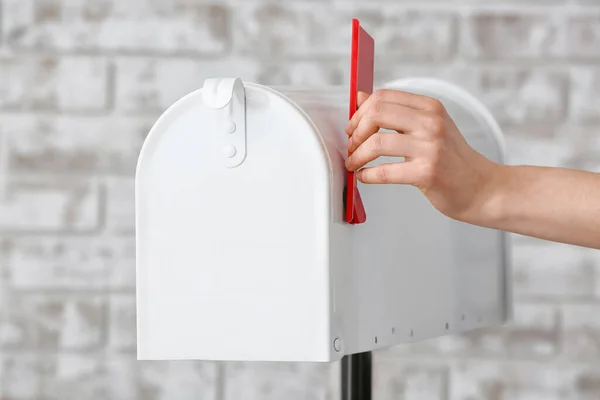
(243, 252)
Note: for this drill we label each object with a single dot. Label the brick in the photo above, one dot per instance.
(581, 331)
(425, 35)
(63, 263)
(61, 144)
(134, 26)
(565, 145)
(151, 85)
(303, 73)
(513, 2)
(20, 376)
(513, 34)
(274, 381)
(584, 100)
(121, 323)
(15, 331)
(522, 149)
(122, 376)
(516, 96)
(67, 84)
(397, 379)
(335, 387)
(89, 376)
(178, 380)
(388, 69)
(122, 264)
(484, 380)
(583, 35)
(73, 376)
(320, 29)
(45, 322)
(587, 383)
(531, 35)
(520, 96)
(49, 205)
(534, 331)
(4, 270)
(584, 142)
(553, 270)
(120, 206)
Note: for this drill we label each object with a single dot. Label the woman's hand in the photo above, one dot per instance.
(456, 179)
(558, 204)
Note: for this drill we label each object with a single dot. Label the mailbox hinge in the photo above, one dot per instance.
(227, 97)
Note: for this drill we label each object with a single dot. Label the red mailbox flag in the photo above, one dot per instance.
(361, 79)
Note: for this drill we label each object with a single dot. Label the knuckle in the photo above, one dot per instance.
(435, 105)
(436, 125)
(376, 109)
(378, 95)
(428, 174)
(436, 156)
(376, 144)
(383, 174)
(358, 137)
(435, 151)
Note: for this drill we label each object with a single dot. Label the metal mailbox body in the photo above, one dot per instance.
(243, 253)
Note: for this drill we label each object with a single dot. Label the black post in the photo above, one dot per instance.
(356, 376)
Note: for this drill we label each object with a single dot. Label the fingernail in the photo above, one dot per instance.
(349, 144)
(347, 128)
(348, 162)
(358, 174)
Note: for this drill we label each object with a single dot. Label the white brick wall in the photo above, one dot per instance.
(81, 83)
(53, 83)
(132, 26)
(50, 204)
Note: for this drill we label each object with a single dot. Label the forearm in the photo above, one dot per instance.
(556, 204)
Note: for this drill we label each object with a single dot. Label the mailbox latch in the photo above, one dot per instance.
(227, 98)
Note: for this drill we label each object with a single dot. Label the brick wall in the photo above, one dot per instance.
(81, 82)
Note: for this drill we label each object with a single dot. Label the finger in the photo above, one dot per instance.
(410, 100)
(361, 98)
(386, 116)
(400, 173)
(382, 144)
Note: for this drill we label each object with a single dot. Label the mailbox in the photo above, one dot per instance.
(243, 252)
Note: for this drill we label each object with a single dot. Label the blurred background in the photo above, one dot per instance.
(82, 81)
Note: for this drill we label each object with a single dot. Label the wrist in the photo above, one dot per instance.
(495, 196)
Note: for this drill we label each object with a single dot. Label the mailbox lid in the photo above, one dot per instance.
(233, 262)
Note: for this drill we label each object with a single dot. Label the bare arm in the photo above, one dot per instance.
(556, 204)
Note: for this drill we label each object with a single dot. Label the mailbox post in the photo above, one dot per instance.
(356, 377)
